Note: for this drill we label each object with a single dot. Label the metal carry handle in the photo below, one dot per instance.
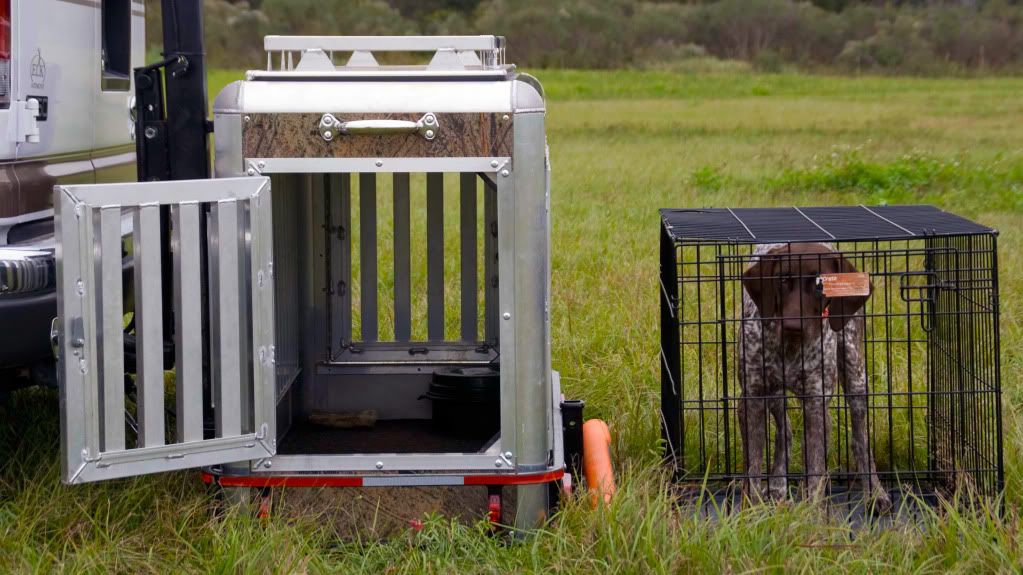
(330, 127)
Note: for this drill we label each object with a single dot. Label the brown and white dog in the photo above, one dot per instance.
(794, 339)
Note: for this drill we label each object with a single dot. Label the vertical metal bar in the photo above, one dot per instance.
(310, 192)
(723, 318)
(262, 295)
(243, 303)
(997, 366)
(435, 256)
(491, 329)
(524, 298)
(110, 315)
(910, 396)
(85, 335)
(334, 235)
(402, 260)
(467, 218)
(228, 273)
(671, 428)
(148, 325)
(504, 210)
(345, 257)
(71, 312)
(368, 254)
(188, 346)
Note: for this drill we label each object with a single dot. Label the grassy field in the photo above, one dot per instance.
(623, 144)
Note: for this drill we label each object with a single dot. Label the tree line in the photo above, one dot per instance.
(908, 37)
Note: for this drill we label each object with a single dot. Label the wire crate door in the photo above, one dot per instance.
(204, 309)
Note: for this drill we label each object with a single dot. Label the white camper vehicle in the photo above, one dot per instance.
(65, 84)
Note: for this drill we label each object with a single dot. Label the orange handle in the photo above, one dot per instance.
(597, 461)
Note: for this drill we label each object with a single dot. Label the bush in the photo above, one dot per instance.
(562, 33)
(772, 35)
(971, 39)
(234, 34)
(897, 45)
(335, 17)
(742, 29)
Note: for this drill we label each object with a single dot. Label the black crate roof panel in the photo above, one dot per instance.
(816, 224)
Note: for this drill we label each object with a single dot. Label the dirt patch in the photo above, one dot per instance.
(383, 512)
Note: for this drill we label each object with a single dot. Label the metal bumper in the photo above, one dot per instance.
(28, 303)
(26, 270)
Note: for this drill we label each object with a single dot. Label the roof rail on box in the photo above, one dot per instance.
(316, 53)
(382, 43)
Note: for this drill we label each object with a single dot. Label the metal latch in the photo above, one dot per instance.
(24, 123)
(55, 337)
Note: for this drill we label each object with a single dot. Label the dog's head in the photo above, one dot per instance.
(783, 285)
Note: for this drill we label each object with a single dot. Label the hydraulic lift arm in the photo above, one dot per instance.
(172, 129)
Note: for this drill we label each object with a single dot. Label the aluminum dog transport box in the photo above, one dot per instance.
(896, 388)
(314, 278)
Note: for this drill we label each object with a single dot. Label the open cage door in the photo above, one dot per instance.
(113, 425)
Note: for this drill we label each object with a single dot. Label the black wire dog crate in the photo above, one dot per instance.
(870, 334)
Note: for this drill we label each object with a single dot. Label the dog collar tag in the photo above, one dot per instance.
(845, 285)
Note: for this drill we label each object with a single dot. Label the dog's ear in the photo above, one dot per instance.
(761, 282)
(842, 309)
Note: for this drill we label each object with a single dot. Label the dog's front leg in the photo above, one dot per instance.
(854, 382)
(815, 449)
(753, 424)
(778, 484)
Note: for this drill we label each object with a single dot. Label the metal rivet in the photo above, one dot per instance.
(261, 165)
(380, 163)
(508, 454)
(380, 464)
(251, 172)
(328, 135)
(247, 118)
(505, 117)
(429, 134)
(494, 164)
(505, 173)
(506, 315)
(267, 465)
(498, 463)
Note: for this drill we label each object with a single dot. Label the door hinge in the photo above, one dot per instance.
(24, 121)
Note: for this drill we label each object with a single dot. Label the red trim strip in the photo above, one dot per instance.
(515, 479)
(350, 481)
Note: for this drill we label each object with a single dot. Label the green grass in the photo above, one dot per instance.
(623, 144)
